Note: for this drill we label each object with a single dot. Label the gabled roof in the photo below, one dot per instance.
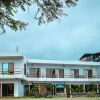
(89, 54)
(86, 55)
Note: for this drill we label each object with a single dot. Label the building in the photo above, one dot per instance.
(18, 73)
(95, 57)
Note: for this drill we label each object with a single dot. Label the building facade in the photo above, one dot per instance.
(94, 57)
(18, 73)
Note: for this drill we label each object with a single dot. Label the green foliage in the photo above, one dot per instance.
(92, 87)
(49, 87)
(47, 11)
(27, 92)
(79, 88)
(90, 94)
(68, 90)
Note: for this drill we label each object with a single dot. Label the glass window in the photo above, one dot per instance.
(7, 68)
(50, 73)
(35, 72)
(61, 73)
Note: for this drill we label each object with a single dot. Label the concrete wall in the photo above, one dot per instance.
(18, 87)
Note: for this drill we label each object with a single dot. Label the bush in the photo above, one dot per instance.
(27, 92)
(90, 94)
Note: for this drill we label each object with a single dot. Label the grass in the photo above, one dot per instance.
(55, 98)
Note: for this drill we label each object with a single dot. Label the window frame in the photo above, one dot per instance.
(7, 72)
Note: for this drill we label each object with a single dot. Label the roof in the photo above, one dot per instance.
(11, 57)
(57, 62)
(86, 55)
(89, 54)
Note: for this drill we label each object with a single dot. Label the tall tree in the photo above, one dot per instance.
(47, 11)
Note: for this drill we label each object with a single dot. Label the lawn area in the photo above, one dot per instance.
(50, 98)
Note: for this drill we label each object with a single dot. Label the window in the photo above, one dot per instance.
(24, 69)
(61, 73)
(35, 72)
(8, 68)
(50, 73)
(75, 73)
(89, 73)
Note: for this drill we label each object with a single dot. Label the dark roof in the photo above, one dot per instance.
(97, 53)
(86, 55)
(89, 54)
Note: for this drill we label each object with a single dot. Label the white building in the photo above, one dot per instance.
(18, 73)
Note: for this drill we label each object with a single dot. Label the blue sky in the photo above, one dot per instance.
(69, 39)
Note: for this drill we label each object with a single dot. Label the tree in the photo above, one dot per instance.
(47, 11)
(49, 87)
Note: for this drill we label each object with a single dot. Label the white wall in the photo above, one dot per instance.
(18, 89)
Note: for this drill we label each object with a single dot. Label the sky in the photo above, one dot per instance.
(67, 39)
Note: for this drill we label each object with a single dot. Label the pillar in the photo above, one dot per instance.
(16, 89)
(84, 88)
(97, 88)
(70, 91)
(65, 94)
(1, 90)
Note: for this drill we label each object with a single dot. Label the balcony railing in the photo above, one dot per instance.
(65, 76)
(16, 71)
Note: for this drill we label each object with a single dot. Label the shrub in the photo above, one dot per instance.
(90, 94)
(27, 92)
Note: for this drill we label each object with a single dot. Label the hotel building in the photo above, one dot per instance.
(18, 73)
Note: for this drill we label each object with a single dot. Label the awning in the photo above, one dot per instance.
(59, 86)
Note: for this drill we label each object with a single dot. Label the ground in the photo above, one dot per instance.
(50, 98)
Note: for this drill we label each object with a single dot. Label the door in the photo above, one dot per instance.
(7, 89)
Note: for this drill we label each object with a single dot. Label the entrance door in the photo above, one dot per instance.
(7, 89)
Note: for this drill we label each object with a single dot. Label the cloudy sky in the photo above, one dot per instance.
(68, 39)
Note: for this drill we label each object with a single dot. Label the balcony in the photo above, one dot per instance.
(67, 77)
(16, 74)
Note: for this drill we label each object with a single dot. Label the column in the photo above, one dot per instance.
(53, 90)
(65, 94)
(97, 88)
(29, 87)
(84, 88)
(70, 91)
(16, 89)
(1, 90)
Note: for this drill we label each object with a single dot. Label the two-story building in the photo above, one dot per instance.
(18, 73)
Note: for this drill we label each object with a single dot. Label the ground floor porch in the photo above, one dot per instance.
(18, 88)
(62, 88)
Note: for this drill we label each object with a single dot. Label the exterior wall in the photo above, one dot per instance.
(13, 78)
(68, 75)
(18, 87)
(18, 69)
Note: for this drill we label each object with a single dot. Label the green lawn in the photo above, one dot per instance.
(51, 98)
